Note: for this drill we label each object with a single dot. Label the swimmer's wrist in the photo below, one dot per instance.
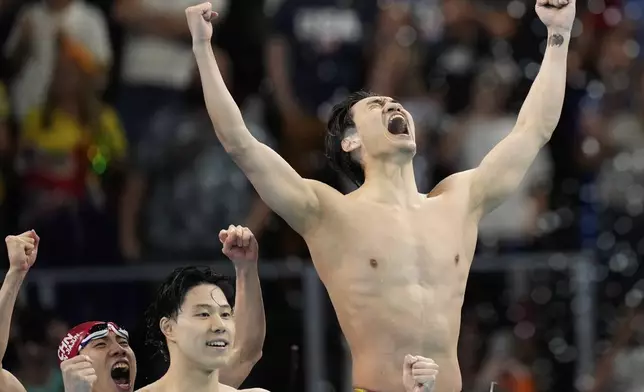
(15, 272)
(244, 267)
(564, 33)
(201, 46)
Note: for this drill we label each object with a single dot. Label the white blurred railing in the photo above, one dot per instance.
(579, 266)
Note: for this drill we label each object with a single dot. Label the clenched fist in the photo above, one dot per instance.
(240, 245)
(22, 250)
(557, 15)
(78, 374)
(200, 19)
(419, 374)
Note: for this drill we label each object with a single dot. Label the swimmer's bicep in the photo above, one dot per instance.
(9, 382)
(502, 170)
(288, 194)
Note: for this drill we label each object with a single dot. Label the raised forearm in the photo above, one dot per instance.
(250, 324)
(542, 108)
(8, 294)
(224, 113)
(249, 314)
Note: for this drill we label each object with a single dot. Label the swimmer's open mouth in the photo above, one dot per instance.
(397, 125)
(121, 375)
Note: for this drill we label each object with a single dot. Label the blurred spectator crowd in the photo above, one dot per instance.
(107, 151)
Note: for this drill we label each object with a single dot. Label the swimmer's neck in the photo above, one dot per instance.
(185, 375)
(390, 183)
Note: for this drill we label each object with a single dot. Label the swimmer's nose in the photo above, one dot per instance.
(217, 325)
(218, 329)
(393, 107)
(117, 350)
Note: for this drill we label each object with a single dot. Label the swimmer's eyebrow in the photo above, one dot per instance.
(210, 307)
(98, 340)
(381, 101)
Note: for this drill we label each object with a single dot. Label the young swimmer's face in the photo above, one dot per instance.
(385, 129)
(114, 363)
(204, 329)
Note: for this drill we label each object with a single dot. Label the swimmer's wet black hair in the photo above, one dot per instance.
(342, 119)
(170, 297)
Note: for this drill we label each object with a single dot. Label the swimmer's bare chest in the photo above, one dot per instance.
(396, 277)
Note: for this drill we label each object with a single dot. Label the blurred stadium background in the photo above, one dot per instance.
(106, 150)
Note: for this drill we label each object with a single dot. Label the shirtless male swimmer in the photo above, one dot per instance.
(96, 356)
(394, 262)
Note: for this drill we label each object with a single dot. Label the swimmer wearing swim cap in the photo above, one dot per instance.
(96, 355)
(394, 261)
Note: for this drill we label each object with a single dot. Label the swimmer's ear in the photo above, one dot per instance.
(165, 324)
(351, 141)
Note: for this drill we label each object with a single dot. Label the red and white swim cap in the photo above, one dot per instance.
(80, 335)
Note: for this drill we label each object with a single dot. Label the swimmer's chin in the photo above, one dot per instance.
(405, 144)
(214, 361)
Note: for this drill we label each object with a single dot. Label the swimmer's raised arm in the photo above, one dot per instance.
(22, 251)
(503, 169)
(240, 246)
(277, 183)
